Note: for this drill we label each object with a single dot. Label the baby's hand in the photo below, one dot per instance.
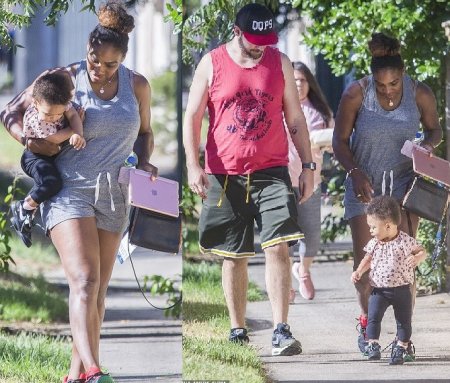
(412, 261)
(77, 141)
(418, 255)
(356, 276)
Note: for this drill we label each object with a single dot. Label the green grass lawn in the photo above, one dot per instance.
(207, 354)
(32, 261)
(10, 150)
(33, 359)
(30, 299)
(27, 298)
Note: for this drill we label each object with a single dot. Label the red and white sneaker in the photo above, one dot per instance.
(363, 342)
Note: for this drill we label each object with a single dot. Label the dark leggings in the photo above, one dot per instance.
(401, 301)
(47, 181)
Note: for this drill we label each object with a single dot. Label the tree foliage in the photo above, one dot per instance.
(340, 30)
(212, 24)
(175, 14)
(18, 14)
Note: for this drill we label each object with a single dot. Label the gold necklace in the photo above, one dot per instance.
(107, 82)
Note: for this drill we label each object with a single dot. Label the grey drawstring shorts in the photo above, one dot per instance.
(106, 200)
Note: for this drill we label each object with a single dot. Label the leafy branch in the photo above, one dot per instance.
(340, 31)
(18, 14)
(160, 285)
(175, 15)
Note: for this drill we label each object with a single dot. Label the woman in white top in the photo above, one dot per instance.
(319, 119)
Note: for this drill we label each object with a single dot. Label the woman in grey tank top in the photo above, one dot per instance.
(87, 217)
(376, 115)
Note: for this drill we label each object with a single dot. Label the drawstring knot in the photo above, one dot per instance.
(247, 190)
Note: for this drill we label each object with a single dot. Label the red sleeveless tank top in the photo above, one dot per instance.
(246, 129)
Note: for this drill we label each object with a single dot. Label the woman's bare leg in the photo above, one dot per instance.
(77, 242)
(360, 237)
(109, 245)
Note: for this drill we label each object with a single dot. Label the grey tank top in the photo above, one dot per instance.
(379, 135)
(110, 129)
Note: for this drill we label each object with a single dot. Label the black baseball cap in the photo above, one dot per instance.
(257, 24)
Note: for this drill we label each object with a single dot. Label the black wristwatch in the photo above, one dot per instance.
(309, 165)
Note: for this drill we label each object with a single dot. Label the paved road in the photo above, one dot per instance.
(138, 344)
(326, 328)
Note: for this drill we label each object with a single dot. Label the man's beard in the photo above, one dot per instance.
(254, 54)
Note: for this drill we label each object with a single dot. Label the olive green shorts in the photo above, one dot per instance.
(235, 202)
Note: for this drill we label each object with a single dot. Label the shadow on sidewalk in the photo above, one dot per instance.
(258, 324)
(145, 378)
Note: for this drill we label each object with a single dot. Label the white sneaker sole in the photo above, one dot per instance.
(294, 348)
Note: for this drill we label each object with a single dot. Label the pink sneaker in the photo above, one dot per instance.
(306, 286)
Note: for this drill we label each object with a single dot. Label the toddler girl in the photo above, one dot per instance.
(391, 256)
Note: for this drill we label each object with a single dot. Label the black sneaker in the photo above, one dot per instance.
(410, 352)
(373, 351)
(22, 221)
(363, 342)
(238, 335)
(398, 354)
(283, 343)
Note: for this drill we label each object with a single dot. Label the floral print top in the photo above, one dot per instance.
(33, 127)
(388, 265)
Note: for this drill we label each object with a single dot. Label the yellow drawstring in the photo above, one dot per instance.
(247, 198)
(219, 204)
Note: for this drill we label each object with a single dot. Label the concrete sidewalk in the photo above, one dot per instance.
(138, 344)
(326, 328)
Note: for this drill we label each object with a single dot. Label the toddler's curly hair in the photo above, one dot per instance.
(385, 208)
(53, 88)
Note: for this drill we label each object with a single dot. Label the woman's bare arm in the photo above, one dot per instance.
(143, 147)
(426, 102)
(345, 121)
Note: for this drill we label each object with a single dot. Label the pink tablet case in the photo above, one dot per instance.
(431, 166)
(160, 195)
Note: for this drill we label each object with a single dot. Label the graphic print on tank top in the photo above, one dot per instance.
(249, 113)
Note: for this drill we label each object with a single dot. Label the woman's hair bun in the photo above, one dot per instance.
(383, 45)
(113, 15)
